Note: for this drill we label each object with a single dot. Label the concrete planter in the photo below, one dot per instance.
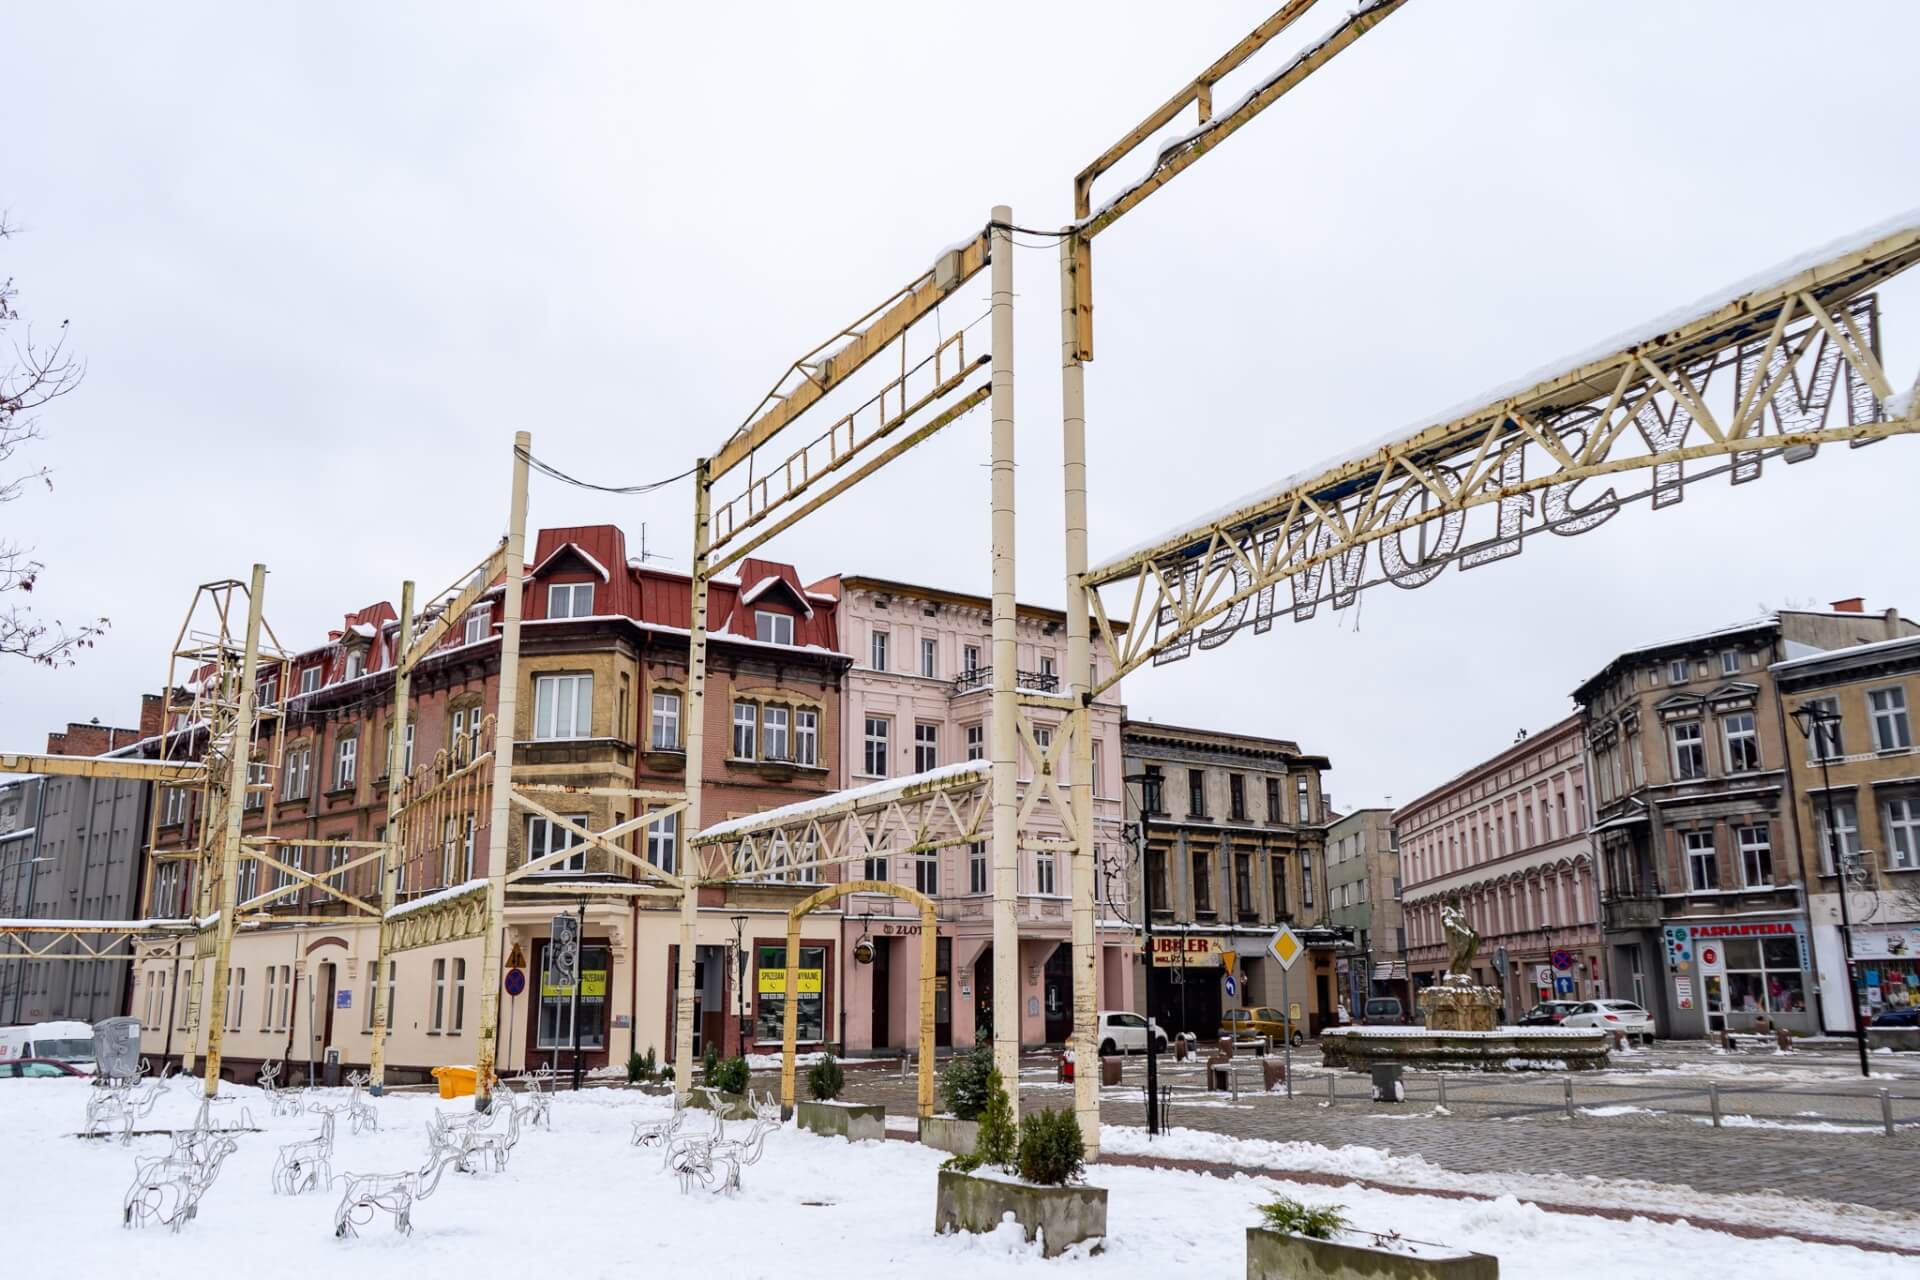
(1059, 1217)
(949, 1133)
(1272, 1255)
(733, 1106)
(853, 1121)
(1898, 1039)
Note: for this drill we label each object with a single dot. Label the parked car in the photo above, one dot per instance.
(1262, 1021)
(1907, 1017)
(1549, 1013)
(1383, 1011)
(37, 1069)
(1612, 1015)
(65, 1041)
(1122, 1032)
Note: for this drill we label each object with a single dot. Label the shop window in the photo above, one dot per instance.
(1764, 975)
(770, 1008)
(556, 1005)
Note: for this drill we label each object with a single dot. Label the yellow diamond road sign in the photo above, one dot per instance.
(1286, 947)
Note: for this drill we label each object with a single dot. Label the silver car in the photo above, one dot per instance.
(1612, 1015)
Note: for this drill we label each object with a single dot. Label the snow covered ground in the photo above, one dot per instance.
(580, 1202)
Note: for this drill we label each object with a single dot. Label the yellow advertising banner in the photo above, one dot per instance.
(594, 987)
(773, 982)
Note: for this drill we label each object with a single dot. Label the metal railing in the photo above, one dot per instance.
(982, 677)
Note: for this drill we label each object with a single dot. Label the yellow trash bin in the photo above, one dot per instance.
(456, 1082)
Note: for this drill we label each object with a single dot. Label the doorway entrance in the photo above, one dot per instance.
(1056, 995)
(882, 993)
(983, 996)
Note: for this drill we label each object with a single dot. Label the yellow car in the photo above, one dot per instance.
(1262, 1021)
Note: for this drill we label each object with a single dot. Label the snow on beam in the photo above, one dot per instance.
(950, 778)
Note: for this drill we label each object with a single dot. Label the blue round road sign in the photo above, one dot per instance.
(516, 982)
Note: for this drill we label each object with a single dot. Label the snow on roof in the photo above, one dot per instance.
(761, 587)
(578, 550)
(886, 788)
(1903, 223)
(362, 629)
(89, 926)
(435, 899)
(1850, 652)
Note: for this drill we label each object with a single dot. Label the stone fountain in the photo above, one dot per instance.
(1461, 1032)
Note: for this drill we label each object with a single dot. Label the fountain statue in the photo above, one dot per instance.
(1457, 1003)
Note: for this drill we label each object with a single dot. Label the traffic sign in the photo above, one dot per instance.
(1563, 960)
(1286, 947)
(1563, 985)
(1231, 989)
(1228, 960)
(516, 982)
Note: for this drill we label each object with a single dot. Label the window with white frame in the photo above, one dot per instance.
(879, 731)
(1098, 789)
(1826, 742)
(663, 842)
(926, 747)
(282, 1022)
(373, 979)
(295, 774)
(457, 734)
(1901, 818)
(438, 1021)
(929, 656)
(746, 724)
(1677, 671)
(310, 680)
(977, 867)
(356, 663)
(806, 736)
(479, 624)
(269, 691)
(173, 807)
(544, 837)
(1742, 742)
(976, 742)
(562, 706)
(1689, 750)
(1891, 729)
(1703, 867)
(1043, 871)
(877, 651)
(665, 733)
(1306, 878)
(1756, 856)
(570, 600)
(246, 880)
(1046, 667)
(772, 627)
(236, 998)
(346, 761)
(271, 997)
(456, 854)
(773, 733)
(459, 996)
(970, 658)
(1303, 800)
(1730, 662)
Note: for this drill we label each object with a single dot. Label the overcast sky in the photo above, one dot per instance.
(322, 264)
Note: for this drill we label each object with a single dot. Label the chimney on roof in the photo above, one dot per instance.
(1852, 604)
(152, 714)
(1893, 624)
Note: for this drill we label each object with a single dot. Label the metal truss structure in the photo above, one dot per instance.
(1770, 370)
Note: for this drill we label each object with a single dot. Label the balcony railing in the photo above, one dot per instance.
(982, 678)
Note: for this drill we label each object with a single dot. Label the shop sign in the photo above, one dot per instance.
(1185, 949)
(593, 986)
(1901, 942)
(1679, 946)
(1683, 992)
(773, 982)
(1746, 929)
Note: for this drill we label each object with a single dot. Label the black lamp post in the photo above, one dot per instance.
(1148, 800)
(1817, 724)
(740, 976)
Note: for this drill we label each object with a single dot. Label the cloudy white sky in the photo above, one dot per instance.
(322, 262)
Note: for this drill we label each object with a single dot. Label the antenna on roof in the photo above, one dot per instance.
(646, 555)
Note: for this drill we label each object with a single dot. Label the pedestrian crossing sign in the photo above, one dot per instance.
(1286, 947)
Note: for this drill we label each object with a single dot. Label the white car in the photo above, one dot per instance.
(1122, 1032)
(1612, 1015)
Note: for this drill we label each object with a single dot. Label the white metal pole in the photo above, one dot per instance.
(1005, 696)
(500, 804)
(1073, 441)
(696, 722)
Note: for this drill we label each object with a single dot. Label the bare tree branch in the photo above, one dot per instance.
(37, 374)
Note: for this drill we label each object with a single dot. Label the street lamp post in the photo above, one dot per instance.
(1817, 723)
(1144, 781)
(740, 976)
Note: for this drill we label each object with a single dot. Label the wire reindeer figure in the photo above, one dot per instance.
(307, 1165)
(395, 1193)
(167, 1189)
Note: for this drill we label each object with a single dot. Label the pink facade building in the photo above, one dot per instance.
(917, 698)
(1511, 839)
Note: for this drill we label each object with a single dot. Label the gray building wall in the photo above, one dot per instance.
(76, 854)
(1363, 894)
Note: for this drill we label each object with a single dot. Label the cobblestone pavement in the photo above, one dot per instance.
(1806, 1126)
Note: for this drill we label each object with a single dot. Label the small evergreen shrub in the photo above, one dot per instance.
(650, 1064)
(826, 1079)
(997, 1142)
(729, 1075)
(963, 1085)
(636, 1067)
(1294, 1218)
(708, 1061)
(1052, 1152)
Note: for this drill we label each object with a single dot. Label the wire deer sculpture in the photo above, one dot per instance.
(166, 1189)
(120, 1103)
(307, 1165)
(647, 1133)
(697, 1160)
(369, 1193)
(285, 1102)
(361, 1115)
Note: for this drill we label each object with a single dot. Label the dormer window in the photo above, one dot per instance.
(310, 680)
(479, 623)
(773, 628)
(570, 600)
(356, 663)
